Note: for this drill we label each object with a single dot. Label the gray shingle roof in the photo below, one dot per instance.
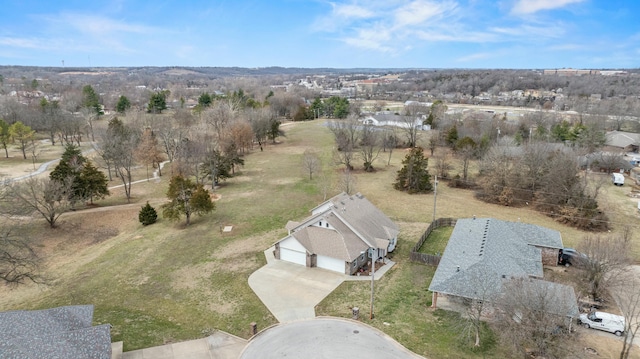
(356, 225)
(622, 139)
(495, 248)
(85, 343)
(340, 242)
(63, 332)
(365, 218)
(558, 299)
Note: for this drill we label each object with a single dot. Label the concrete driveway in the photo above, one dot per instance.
(324, 338)
(291, 291)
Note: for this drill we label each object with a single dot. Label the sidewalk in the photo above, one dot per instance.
(219, 345)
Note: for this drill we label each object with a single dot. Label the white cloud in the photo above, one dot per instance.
(99, 24)
(20, 42)
(399, 26)
(371, 39)
(351, 11)
(453, 35)
(526, 30)
(419, 11)
(531, 6)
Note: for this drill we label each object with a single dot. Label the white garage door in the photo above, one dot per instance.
(329, 263)
(293, 256)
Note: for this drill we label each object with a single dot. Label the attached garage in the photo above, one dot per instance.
(293, 256)
(292, 251)
(332, 264)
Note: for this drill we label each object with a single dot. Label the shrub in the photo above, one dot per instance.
(147, 215)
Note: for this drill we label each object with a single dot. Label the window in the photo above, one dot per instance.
(320, 224)
(327, 225)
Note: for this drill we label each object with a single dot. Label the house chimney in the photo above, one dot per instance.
(474, 217)
(457, 268)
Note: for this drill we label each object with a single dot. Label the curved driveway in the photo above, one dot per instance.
(324, 338)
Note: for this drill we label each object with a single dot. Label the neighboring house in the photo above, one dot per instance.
(340, 235)
(606, 161)
(483, 253)
(391, 119)
(63, 332)
(627, 141)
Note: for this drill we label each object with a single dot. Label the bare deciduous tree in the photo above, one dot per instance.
(369, 146)
(120, 143)
(476, 309)
(627, 296)
(311, 163)
(535, 316)
(442, 163)
(18, 260)
(46, 197)
(607, 258)
(389, 142)
(347, 182)
(346, 137)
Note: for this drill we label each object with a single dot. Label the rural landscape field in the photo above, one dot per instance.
(166, 282)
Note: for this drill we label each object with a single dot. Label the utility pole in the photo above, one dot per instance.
(373, 273)
(435, 195)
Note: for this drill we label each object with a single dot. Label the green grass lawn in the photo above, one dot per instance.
(437, 241)
(402, 310)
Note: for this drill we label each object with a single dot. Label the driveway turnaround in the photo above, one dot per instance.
(324, 338)
(291, 291)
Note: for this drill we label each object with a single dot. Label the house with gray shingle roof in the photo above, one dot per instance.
(340, 235)
(626, 141)
(483, 253)
(63, 332)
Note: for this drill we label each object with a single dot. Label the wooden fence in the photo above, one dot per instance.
(424, 258)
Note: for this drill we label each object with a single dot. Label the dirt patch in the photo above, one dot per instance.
(590, 340)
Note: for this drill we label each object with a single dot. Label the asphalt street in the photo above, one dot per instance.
(324, 338)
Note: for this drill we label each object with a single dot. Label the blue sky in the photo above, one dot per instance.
(317, 33)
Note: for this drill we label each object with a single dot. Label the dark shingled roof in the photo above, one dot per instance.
(63, 332)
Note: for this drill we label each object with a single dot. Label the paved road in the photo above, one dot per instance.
(324, 338)
(43, 167)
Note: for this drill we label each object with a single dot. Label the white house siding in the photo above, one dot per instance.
(332, 264)
(292, 251)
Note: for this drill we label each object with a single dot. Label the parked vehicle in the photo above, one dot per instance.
(569, 256)
(604, 321)
(618, 179)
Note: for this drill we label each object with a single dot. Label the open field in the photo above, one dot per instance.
(166, 283)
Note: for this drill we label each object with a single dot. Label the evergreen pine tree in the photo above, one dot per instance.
(147, 215)
(413, 177)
